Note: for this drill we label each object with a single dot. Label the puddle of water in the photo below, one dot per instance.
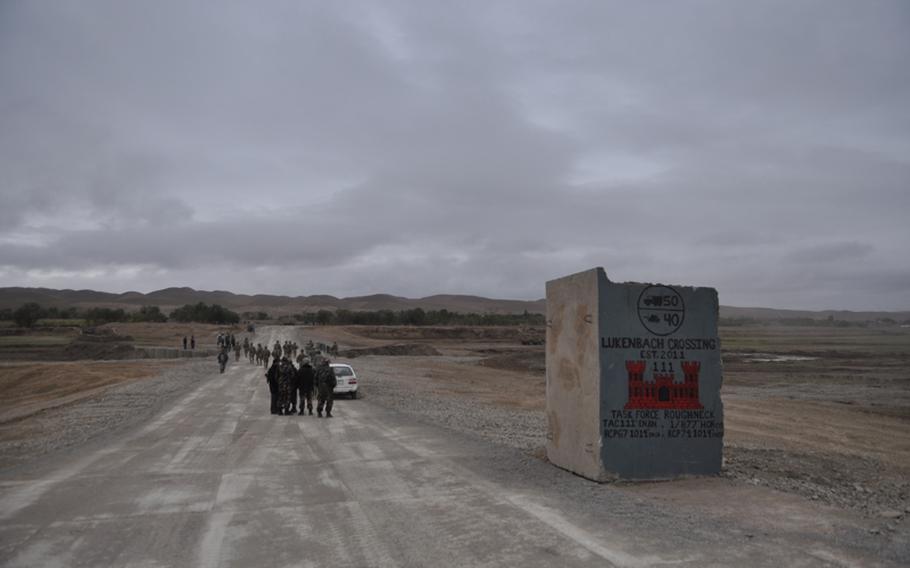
(774, 358)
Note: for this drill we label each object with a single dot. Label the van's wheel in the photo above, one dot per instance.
(353, 395)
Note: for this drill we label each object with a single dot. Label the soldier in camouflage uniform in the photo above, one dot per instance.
(286, 380)
(305, 382)
(276, 351)
(325, 386)
(272, 378)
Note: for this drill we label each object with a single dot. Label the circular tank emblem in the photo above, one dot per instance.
(661, 309)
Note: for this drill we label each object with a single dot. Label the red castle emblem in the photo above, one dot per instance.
(663, 391)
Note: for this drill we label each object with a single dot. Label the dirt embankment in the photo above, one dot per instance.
(397, 350)
(48, 407)
(448, 333)
(110, 342)
(29, 388)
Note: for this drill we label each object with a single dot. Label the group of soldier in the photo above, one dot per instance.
(259, 354)
(288, 384)
(226, 341)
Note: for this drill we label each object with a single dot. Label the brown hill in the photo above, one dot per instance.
(170, 298)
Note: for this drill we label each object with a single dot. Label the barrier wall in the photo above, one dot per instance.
(633, 378)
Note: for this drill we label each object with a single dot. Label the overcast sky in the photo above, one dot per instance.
(416, 148)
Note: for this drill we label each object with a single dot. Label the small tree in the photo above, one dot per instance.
(27, 314)
(324, 317)
(149, 313)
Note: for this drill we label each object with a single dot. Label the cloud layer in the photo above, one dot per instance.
(416, 148)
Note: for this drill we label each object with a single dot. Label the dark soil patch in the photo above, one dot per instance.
(396, 350)
(511, 334)
(532, 362)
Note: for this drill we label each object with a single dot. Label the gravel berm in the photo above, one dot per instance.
(69, 427)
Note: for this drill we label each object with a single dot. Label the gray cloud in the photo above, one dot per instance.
(416, 148)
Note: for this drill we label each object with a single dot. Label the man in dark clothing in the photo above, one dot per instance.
(287, 374)
(292, 386)
(271, 377)
(306, 377)
(325, 386)
(184, 343)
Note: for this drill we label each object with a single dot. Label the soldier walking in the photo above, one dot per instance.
(287, 374)
(271, 377)
(305, 381)
(325, 385)
(276, 351)
(223, 359)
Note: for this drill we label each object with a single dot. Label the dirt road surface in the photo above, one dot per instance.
(215, 480)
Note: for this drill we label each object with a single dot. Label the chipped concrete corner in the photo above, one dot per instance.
(633, 379)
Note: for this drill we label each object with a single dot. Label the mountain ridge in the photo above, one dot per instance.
(173, 297)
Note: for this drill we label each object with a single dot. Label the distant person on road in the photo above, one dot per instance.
(184, 343)
(325, 386)
(223, 359)
(276, 350)
(271, 377)
(306, 378)
(192, 342)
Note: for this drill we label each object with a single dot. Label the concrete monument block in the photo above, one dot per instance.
(633, 379)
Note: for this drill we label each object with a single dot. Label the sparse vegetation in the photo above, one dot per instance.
(32, 314)
(27, 315)
(255, 315)
(148, 314)
(204, 313)
(830, 321)
(417, 317)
